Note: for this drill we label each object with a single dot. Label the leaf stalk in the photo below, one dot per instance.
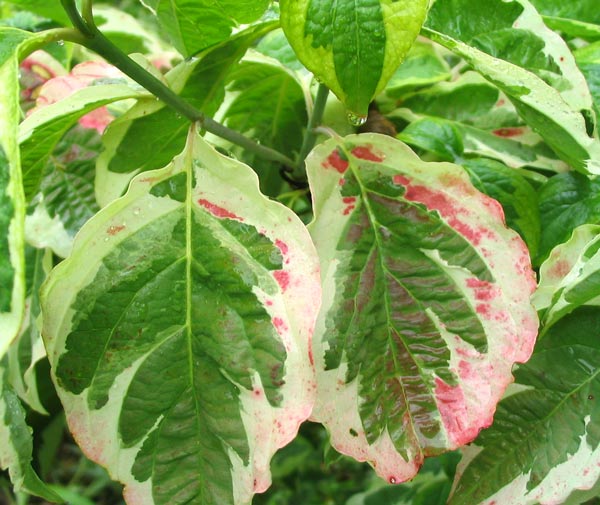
(310, 135)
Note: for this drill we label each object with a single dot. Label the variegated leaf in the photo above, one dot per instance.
(42, 130)
(545, 85)
(570, 277)
(28, 349)
(179, 332)
(425, 303)
(201, 81)
(12, 201)
(544, 444)
(353, 47)
(16, 444)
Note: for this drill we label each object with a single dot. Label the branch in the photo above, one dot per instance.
(311, 134)
(96, 41)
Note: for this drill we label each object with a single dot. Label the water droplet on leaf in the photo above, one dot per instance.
(356, 120)
(61, 42)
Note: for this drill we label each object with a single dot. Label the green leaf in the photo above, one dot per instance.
(516, 147)
(200, 81)
(12, 203)
(179, 332)
(426, 303)
(573, 28)
(194, 25)
(544, 441)
(422, 66)
(275, 45)
(16, 444)
(469, 99)
(67, 188)
(126, 32)
(570, 277)
(556, 102)
(352, 47)
(582, 10)
(566, 202)
(588, 60)
(28, 349)
(50, 9)
(43, 129)
(268, 105)
(517, 197)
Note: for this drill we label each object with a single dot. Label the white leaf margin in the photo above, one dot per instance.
(579, 473)
(234, 186)
(518, 331)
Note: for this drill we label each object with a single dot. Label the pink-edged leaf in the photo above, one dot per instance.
(426, 303)
(81, 76)
(179, 332)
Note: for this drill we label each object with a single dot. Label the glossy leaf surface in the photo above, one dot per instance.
(200, 81)
(268, 104)
(41, 131)
(566, 201)
(538, 75)
(426, 303)
(353, 47)
(570, 277)
(544, 442)
(179, 332)
(193, 25)
(16, 443)
(12, 204)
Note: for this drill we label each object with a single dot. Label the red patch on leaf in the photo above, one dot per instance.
(283, 279)
(484, 291)
(280, 325)
(365, 153)
(483, 309)
(113, 230)
(400, 179)
(436, 200)
(217, 211)
(560, 269)
(451, 404)
(349, 201)
(334, 160)
(508, 132)
(283, 247)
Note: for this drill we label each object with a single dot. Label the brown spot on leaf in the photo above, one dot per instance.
(113, 230)
(508, 132)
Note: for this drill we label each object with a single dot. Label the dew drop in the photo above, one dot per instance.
(61, 42)
(392, 480)
(356, 120)
(136, 211)
(106, 239)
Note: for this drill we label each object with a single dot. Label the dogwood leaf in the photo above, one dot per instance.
(426, 303)
(353, 47)
(179, 332)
